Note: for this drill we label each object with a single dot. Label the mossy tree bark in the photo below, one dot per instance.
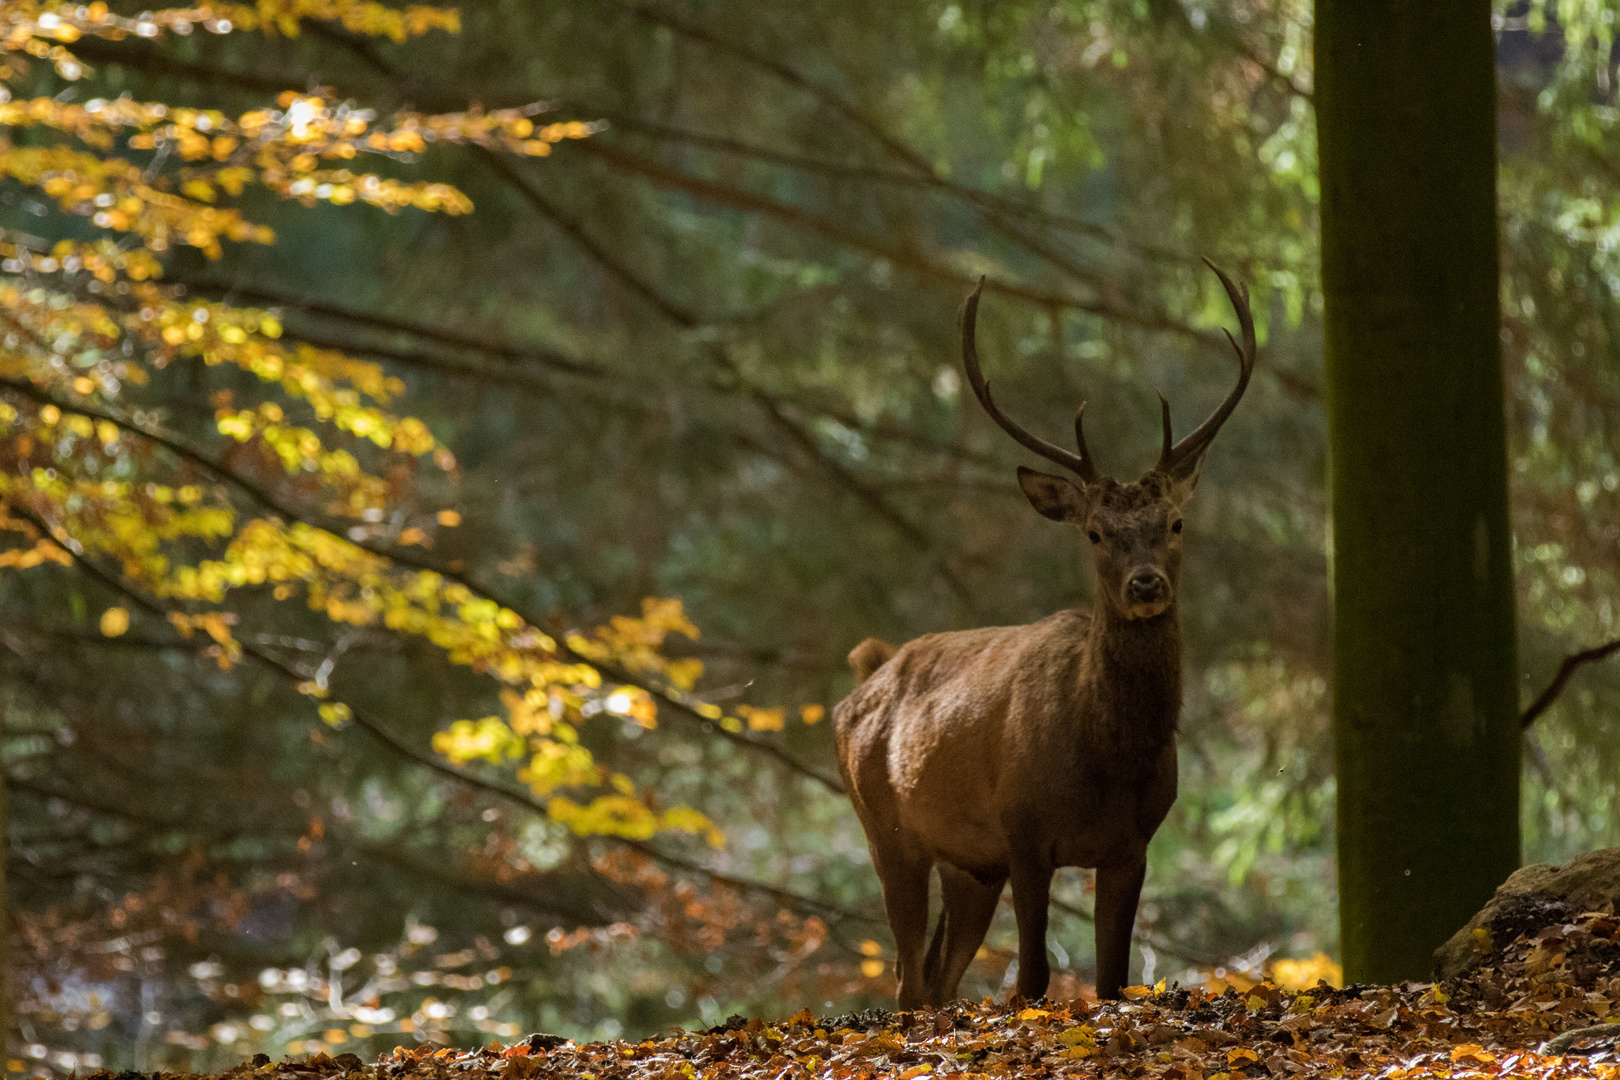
(1425, 706)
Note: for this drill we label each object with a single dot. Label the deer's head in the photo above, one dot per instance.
(1134, 530)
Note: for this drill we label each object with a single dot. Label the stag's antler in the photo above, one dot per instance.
(1177, 457)
(1080, 464)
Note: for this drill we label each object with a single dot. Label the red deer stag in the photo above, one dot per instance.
(1010, 751)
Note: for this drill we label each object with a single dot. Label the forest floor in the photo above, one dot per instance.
(1535, 1007)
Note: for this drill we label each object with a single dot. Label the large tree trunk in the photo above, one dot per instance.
(1425, 705)
(5, 907)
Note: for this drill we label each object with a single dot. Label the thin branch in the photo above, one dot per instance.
(541, 891)
(831, 99)
(739, 199)
(146, 58)
(988, 205)
(77, 797)
(686, 320)
(914, 161)
(516, 377)
(537, 891)
(169, 442)
(615, 672)
(1565, 670)
(991, 207)
(504, 350)
(1234, 41)
(910, 179)
(387, 738)
(769, 749)
(95, 638)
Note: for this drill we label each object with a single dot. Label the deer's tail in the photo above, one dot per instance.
(868, 656)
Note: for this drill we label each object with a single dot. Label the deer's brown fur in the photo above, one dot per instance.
(1004, 753)
(868, 656)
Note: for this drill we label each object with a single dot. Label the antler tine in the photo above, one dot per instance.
(1080, 441)
(1080, 464)
(1197, 440)
(1164, 408)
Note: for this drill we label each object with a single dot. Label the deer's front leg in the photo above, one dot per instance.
(1118, 890)
(1032, 893)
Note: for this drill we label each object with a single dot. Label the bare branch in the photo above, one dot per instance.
(784, 72)
(461, 339)
(498, 349)
(909, 179)
(175, 445)
(1566, 670)
(387, 738)
(138, 55)
(686, 320)
(739, 199)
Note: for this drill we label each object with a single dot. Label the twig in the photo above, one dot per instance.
(1565, 670)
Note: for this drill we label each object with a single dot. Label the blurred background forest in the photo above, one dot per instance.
(691, 426)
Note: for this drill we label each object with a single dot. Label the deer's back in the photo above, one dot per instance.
(941, 741)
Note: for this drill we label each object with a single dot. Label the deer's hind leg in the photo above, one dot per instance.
(905, 900)
(936, 953)
(969, 905)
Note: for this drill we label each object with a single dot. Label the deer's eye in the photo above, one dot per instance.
(1175, 526)
(1096, 537)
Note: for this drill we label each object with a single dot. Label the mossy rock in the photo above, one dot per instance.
(1533, 897)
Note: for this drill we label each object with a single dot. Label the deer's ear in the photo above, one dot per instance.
(1055, 497)
(1184, 478)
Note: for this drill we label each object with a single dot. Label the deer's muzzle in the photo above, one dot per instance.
(1147, 592)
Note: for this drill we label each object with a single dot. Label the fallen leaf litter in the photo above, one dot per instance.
(1502, 1019)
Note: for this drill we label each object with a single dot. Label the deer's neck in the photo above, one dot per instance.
(1134, 671)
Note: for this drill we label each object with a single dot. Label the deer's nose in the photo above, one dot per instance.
(1147, 586)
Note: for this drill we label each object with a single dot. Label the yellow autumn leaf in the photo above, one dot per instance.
(1302, 974)
(114, 621)
(763, 719)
